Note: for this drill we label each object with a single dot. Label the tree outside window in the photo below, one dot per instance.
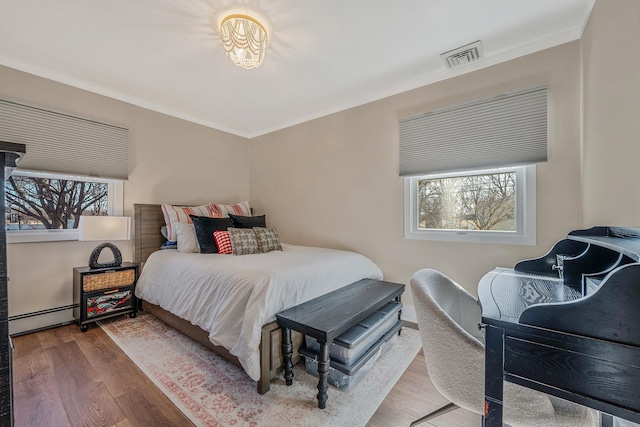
(472, 202)
(38, 203)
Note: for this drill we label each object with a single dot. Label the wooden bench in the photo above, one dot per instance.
(326, 317)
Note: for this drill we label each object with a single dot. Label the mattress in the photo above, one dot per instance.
(232, 297)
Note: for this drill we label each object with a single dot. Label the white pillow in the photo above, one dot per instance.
(186, 237)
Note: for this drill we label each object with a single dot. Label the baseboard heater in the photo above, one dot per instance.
(42, 313)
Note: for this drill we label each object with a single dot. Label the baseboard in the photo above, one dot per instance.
(26, 323)
(22, 324)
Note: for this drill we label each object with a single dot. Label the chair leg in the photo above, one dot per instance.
(440, 411)
(606, 420)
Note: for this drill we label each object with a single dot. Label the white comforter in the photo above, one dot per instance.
(232, 297)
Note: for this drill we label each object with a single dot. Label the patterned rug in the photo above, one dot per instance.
(213, 392)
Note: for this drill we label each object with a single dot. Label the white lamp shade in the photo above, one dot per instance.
(104, 228)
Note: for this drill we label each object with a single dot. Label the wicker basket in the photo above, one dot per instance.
(109, 279)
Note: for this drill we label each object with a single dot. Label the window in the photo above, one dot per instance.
(47, 207)
(493, 206)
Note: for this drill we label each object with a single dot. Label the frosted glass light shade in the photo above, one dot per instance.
(93, 228)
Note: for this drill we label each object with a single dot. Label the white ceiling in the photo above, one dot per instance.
(323, 56)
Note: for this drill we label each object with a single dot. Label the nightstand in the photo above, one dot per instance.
(104, 292)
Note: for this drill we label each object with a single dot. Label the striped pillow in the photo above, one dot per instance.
(223, 211)
(175, 214)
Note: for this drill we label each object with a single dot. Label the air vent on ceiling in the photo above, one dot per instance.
(464, 55)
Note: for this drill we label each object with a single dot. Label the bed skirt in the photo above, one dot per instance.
(270, 344)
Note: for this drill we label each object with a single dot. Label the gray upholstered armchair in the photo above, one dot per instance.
(448, 318)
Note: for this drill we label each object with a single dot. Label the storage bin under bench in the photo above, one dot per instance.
(345, 376)
(327, 317)
(352, 344)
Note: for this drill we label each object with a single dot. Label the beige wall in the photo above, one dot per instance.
(611, 85)
(334, 181)
(171, 160)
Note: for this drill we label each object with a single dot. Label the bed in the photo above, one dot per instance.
(228, 302)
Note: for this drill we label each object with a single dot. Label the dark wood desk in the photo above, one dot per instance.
(576, 337)
(326, 317)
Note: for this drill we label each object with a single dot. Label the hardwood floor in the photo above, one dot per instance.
(63, 377)
(414, 396)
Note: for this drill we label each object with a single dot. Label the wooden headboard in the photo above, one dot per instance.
(147, 221)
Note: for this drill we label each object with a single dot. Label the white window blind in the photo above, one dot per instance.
(505, 130)
(58, 142)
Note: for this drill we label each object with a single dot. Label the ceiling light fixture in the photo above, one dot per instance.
(244, 39)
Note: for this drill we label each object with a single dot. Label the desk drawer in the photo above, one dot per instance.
(576, 370)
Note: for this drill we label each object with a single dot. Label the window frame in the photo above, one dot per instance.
(115, 207)
(525, 210)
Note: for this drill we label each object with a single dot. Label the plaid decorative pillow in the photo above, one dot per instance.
(267, 239)
(223, 241)
(243, 241)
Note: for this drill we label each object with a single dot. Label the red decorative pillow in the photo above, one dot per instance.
(223, 241)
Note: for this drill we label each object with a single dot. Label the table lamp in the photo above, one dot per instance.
(92, 228)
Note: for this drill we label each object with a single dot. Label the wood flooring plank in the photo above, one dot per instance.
(114, 368)
(86, 400)
(37, 403)
(36, 398)
(457, 418)
(152, 408)
(81, 362)
(55, 336)
(32, 364)
(25, 345)
(414, 396)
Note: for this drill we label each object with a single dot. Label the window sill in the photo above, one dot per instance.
(472, 237)
(41, 236)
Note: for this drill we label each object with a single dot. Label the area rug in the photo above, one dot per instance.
(213, 392)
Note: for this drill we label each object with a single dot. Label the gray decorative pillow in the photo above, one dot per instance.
(267, 239)
(243, 241)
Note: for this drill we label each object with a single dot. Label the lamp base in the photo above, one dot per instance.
(93, 259)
